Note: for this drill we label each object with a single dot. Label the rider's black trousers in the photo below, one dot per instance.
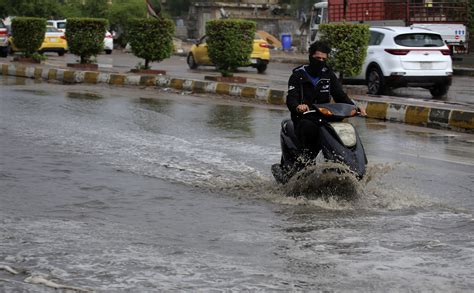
(309, 137)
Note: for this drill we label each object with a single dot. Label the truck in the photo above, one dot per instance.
(448, 18)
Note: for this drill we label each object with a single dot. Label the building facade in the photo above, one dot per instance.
(269, 15)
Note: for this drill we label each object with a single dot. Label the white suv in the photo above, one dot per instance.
(59, 24)
(406, 56)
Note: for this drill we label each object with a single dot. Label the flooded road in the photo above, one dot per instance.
(276, 76)
(113, 190)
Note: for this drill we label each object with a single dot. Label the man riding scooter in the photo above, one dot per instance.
(309, 88)
(313, 84)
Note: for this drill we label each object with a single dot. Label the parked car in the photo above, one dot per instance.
(259, 58)
(54, 41)
(59, 24)
(4, 46)
(108, 43)
(406, 56)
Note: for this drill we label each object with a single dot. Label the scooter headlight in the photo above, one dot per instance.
(346, 133)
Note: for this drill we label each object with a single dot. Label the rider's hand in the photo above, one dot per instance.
(362, 111)
(302, 108)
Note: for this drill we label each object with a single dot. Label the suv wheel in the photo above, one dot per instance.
(191, 62)
(375, 81)
(439, 90)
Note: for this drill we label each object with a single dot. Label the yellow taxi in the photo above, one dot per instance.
(259, 58)
(54, 41)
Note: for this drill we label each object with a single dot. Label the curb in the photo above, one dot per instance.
(463, 71)
(427, 116)
(263, 94)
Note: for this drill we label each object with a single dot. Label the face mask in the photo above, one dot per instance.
(316, 64)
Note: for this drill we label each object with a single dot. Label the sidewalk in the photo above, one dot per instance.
(428, 113)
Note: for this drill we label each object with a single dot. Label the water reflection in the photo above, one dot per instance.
(373, 124)
(13, 80)
(84, 103)
(156, 105)
(83, 95)
(232, 118)
(145, 115)
(34, 92)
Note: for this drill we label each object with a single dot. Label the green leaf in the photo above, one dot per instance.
(28, 33)
(85, 37)
(349, 43)
(151, 38)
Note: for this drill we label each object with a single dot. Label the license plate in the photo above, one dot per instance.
(53, 40)
(426, 65)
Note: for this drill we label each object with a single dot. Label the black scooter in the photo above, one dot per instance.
(340, 142)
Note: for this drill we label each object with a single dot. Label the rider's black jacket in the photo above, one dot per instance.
(303, 90)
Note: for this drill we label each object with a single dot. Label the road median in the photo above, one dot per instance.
(434, 114)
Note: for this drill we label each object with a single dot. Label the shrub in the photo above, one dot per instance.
(28, 34)
(151, 38)
(85, 37)
(349, 43)
(230, 43)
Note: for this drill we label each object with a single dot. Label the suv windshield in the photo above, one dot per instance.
(61, 25)
(419, 40)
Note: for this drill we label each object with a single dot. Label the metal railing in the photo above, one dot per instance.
(408, 11)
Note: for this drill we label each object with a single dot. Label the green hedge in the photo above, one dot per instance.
(349, 43)
(230, 43)
(85, 37)
(28, 33)
(151, 38)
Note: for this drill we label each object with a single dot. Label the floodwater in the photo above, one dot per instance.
(113, 190)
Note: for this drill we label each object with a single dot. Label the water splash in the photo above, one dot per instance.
(324, 180)
(315, 187)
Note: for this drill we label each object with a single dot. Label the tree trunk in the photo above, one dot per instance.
(345, 10)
